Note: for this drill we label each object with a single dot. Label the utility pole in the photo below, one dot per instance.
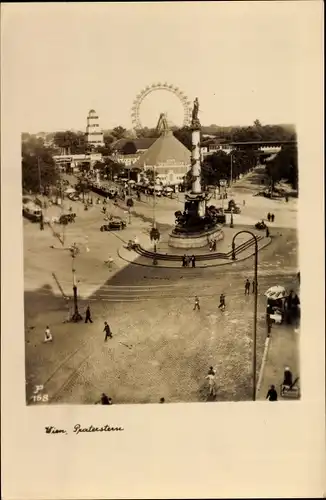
(231, 168)
(39, 174)
(154, 197)
(76, 316)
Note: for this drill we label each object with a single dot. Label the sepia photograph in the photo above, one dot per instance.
(161, 253)
(159, 203)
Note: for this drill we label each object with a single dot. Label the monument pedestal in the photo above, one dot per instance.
(190, 241)
(196, 226)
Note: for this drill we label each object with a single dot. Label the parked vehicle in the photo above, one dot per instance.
(236, 210)
(260, 225)
(74, 197)
(32, 212)
(117, 225)
(232, 207)
(66, 218)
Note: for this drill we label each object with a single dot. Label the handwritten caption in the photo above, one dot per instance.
(77, 429)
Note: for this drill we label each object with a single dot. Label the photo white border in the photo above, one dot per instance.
(225, 450)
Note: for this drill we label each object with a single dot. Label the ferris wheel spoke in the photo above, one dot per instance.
(135, 110)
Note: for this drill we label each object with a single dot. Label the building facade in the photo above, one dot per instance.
(168, 158)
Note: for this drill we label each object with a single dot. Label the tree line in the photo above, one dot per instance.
(284, 166)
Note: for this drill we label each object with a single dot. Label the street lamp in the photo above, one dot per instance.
(130, 204)
(231, 222)
(231, 174)
(254, 354)
(155, 236)
(74, 250)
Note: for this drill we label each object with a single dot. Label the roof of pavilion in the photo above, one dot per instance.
(166, 150)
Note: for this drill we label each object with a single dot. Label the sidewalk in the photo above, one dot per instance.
(133, 257)
(283, 351)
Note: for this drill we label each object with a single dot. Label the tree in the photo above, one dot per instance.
(129, 148)
(284, 166)
(216, 167)
(38, 167)
(99, 165)
(118, 132)
(147, 132)
(257, 124)
(106, 150)
(70, 142)
(112, 168)
(184, 135)
(26, 136)
(38, 172)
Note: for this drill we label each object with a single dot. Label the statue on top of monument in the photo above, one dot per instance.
(195, 109)
(195, 123)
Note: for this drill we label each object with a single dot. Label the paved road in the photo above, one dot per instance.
(160, 346)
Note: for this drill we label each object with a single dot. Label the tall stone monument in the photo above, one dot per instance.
(195, 225)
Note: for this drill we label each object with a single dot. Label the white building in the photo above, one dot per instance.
(75, 161)
(126, 160)
(94, 135)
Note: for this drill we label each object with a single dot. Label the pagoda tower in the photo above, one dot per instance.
(94, 135)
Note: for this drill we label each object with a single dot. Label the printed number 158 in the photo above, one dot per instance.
(40, 398)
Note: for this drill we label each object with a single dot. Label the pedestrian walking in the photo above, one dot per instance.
(109, 262)
(196, 305)
(288, 377)
(268, 217)
(211, 381)
(267, 232)
(253, 286)
(211, 371)
(222, 302)
(47, 335)
(104, 400)
(107, 331)
(272, 217)
(214, 245)
(193, 261)
(88, 317)
(272, 394)
(184, 260)
(247, 287)
(269, 323)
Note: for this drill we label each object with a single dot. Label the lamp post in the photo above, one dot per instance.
(154, 197)
(74, 250)
(130, 204)
(231, 174)
(155, 237)
(129, 181)
(231, 221)
(254, 353)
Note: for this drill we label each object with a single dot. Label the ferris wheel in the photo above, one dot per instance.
(135, 110)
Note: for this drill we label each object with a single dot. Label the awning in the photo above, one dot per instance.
(276, 292)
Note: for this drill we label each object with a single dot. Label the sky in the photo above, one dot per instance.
(239, 58)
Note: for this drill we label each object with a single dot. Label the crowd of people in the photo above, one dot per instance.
(287, 385)
(188, 261)
(249, 285)
(270, 217)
